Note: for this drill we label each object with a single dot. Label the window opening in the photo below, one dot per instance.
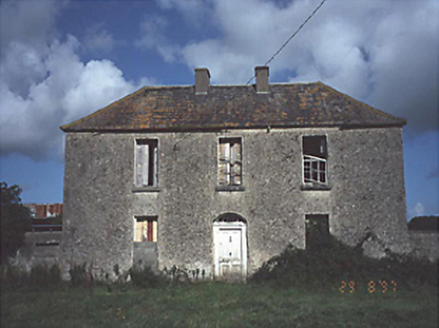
(230, 162)
(317, 229)
(146, 163)
(145, 229)
(315, 156)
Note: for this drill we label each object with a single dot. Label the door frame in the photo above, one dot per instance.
(236, 225)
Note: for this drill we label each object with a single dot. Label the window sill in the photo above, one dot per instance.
(143, 243)
(230, 188)
(316, 187)
(145, 189)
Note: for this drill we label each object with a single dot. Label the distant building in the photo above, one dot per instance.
(42, 211)
(42, 240)
(424, 236)
(424, 223)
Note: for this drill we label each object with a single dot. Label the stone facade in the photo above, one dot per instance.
(366, 194)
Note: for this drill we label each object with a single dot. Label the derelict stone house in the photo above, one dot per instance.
(221, 178)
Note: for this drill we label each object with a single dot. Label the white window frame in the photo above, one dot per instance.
(310, 159)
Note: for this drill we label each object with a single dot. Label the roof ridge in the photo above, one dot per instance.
(223, 85)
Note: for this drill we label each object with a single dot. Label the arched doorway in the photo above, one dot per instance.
(230, 246)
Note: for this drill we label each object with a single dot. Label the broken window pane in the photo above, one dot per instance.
(315, 155)
(315, 146)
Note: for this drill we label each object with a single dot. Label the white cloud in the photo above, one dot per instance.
(98, 82)
(71, 89)
(194, 11)
(29, 22)
(381, 52)
(152, 36)
(99, 39)
(45, 84)
(418, 210)
(152, 30)
(22, 66)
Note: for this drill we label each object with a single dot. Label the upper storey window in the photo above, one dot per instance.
(230, 162)
(146, 163)
(315, 156)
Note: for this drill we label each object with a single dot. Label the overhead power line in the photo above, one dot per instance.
(290, 38)
(281, 48)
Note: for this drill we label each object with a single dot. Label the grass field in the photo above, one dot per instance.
(218, 305)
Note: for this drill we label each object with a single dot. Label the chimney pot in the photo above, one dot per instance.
(261, 73)
(202, 81)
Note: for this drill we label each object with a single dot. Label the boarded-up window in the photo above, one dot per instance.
(145, 229)
(317, 229)
(315, 157)
(146, 163)
(230, 162)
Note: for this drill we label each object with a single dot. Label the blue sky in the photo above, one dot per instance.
(61, 60)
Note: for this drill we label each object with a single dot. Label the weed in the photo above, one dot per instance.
(144, 277)
(41, 275)
(78, 275)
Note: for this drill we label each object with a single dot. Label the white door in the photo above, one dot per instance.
(230, 249)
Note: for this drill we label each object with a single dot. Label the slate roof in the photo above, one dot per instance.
(178, 108)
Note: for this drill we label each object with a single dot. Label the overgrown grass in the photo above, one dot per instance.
(143, 277)
(327, 285)
(40, 276)
(217, 305)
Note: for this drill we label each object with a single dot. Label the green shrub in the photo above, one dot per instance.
(144, 277)
(328, 261)
(14, 221)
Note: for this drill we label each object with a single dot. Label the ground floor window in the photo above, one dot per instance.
(317, 228)
(145, 229)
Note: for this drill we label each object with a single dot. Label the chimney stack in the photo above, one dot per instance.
(261, 73)
(202, 80)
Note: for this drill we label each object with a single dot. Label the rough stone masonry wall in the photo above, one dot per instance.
(368, 179)
(365, 175)
(97, 180)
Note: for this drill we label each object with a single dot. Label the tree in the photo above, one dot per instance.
(15, 220)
